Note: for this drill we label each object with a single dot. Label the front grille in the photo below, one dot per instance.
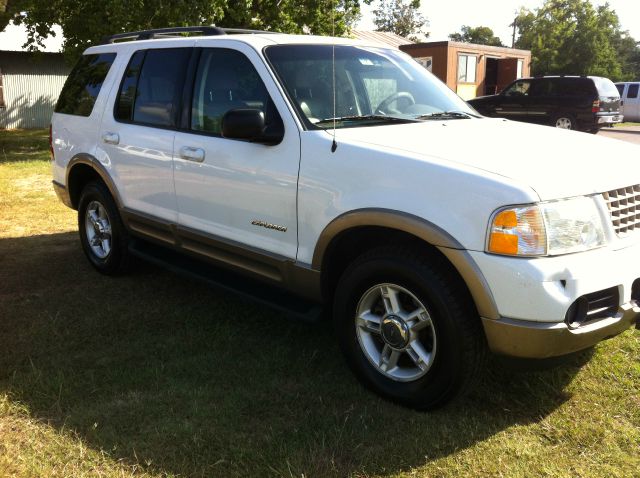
(624, 208)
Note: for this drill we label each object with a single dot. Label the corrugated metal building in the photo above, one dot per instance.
(29, 87)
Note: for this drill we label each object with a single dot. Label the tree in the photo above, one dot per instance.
(572, 37)
(401, 17)
(478, 35)
(86, 22)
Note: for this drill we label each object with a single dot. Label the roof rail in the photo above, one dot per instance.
(173, 31)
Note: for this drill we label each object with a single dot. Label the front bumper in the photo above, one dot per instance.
(527, 339)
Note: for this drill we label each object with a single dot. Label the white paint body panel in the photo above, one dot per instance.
(531, 289)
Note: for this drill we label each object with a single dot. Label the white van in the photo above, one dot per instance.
(630, 100)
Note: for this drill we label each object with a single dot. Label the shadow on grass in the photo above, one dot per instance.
(24, 145)
(170, 374)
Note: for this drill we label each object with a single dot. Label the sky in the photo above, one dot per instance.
(444, 18)
(448, 16)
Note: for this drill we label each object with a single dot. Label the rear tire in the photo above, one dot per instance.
(564, 121)
(102, 234)
(420, 362)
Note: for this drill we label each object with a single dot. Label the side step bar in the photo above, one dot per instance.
(266, 294)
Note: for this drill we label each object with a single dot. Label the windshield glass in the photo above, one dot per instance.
(373, 86)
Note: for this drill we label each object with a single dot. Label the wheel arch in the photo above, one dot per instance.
(350, 234)
(82, 169)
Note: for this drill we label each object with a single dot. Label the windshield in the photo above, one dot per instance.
(373, 86)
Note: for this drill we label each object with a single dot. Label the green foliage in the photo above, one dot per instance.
(84, 23)
(402, 18)
(478, 35)
(573, 37)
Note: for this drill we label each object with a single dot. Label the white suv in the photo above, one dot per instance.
(345, 174)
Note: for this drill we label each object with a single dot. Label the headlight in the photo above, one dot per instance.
(549, 228)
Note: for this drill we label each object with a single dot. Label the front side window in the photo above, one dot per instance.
(152, 86)
(373, 86)
(226, 80)
(467, 68)
(519, 88)
(81, 89)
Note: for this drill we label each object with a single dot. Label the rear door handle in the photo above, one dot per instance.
(111, 138)
(192, 154)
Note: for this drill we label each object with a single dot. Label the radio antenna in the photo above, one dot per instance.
(334, 145)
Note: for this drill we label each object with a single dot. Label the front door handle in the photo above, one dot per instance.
(111, 138)
(192, 154)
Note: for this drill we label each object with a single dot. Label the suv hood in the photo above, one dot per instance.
(553, 162)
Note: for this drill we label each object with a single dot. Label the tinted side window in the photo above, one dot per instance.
(127, 96)
(542, 87)
(519, 88)
(81, 89)
(633, 91)
(227, 80)
(620, 88)
(152, 86)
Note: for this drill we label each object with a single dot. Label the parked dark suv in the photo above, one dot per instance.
(585, 103)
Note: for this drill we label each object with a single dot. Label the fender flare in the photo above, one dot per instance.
(98, 167)
(432, 234)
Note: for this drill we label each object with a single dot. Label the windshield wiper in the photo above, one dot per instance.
(447, 114)
(354, 118)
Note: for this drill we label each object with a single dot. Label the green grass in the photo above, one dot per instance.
(154, 375)
(625, 125)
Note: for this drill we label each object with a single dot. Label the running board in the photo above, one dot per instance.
(265, 294)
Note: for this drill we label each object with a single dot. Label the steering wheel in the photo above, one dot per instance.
(383, 107)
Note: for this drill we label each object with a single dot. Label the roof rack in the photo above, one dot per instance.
(175, 31)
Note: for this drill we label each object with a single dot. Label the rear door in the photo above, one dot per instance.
(542, 101)
(137, 134)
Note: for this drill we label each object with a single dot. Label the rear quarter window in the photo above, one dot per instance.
(81, 89)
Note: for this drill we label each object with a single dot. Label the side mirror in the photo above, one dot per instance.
(248, 124)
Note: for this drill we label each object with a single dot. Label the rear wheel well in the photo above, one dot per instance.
(79, 176)
(350, 244)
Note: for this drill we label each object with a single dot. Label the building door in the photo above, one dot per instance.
(491, 76)
(507, 72)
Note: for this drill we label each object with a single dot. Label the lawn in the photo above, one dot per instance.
(151, 374)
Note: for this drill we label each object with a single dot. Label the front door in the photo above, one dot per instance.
(232, 191)
(514, 102)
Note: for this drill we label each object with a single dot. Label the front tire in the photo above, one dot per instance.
(408, 328)
(102, 234)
